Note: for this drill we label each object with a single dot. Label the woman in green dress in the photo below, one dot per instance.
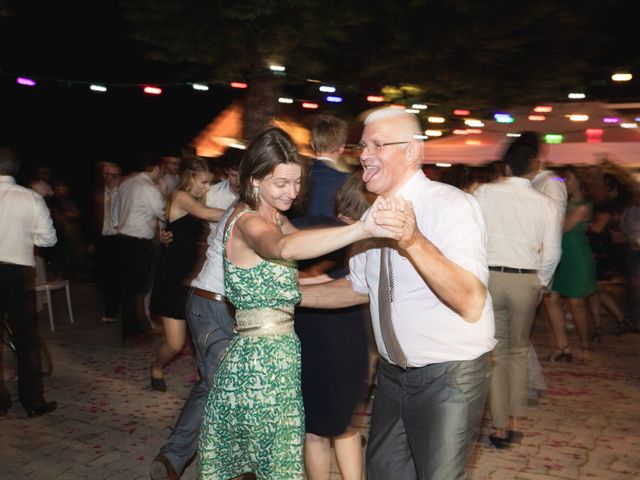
(575, 277)
(254, 419)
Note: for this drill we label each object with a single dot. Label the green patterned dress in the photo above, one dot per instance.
(254, 417)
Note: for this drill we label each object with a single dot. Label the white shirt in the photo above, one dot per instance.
(211, 276)
(25, 221)
(552, 185)
(220, 195)
(523, 226)
(171, 181)
(137, 206)
(428, 330)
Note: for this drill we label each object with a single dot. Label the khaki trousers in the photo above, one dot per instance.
(515, 298)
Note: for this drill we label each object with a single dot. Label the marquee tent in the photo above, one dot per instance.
(585, 142)
(226, 130)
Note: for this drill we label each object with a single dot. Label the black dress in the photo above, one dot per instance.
(177, 260)
(334, 343)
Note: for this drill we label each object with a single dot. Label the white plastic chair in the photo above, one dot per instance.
(43, 285)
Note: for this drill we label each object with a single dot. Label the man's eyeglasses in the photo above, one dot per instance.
(374, 147)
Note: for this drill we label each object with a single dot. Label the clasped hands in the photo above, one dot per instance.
(392, 218)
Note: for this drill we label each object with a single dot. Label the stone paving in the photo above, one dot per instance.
(110, 424)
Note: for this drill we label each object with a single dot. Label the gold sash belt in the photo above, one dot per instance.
(258, 322)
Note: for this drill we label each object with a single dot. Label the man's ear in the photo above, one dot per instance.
(507, 171)
(412, 153)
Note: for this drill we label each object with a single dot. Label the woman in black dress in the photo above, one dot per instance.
(334, 343)
(185, 211)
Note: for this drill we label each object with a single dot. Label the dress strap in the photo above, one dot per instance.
(228, 233)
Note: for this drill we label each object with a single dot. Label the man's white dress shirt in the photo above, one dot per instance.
(25, 221)
(138, 204)
(428, 330)
(549, 183)
(523, 226)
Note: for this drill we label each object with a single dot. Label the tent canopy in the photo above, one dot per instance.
(603, 141)
(226, 130)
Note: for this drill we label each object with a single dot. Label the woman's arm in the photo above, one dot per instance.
(579, 214)
(190, 205)
(268, 241)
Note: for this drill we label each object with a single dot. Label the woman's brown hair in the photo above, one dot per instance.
(269, 149)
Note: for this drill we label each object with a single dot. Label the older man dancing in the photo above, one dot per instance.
(430, 309)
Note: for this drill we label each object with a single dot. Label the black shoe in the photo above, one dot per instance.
(499, 443)
(133, 340)
(41, 409)
(157, 384)
(5, 406)
(161, 469)
(514, 436)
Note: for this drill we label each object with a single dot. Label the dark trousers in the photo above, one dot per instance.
(107, 267)
(633, 285)
(425, 420)
(18, 300)
(135, 256)
(211, 325)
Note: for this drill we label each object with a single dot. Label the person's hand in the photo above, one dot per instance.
(397, 215)
(166, 237)
(370, 223)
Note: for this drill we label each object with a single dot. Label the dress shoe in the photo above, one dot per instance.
(134, 340)
(5, 406)
(161, 469)
(515, 436)
(157, 384)
(41, 409)
(499, 442)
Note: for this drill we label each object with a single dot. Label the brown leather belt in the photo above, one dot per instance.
(216, 297)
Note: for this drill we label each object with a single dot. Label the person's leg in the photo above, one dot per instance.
(317, 457)
(111, 285)
(633, 286)
(611, 305)
(15, 283)
(443, 413)
(582, 318)
(499, 390)
(127, 251)
(595, 306)
(523, 301)
(555, 314)
(175, 334)
(388, 451)
(348, 448)
(211, 325)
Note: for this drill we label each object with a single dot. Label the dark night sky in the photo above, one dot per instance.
(69, 128)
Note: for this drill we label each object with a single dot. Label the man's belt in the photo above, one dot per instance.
(512, 270)
(216, 297)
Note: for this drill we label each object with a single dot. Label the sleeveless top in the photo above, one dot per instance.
(273, 283)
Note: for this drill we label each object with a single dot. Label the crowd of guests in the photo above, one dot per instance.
(273, 304)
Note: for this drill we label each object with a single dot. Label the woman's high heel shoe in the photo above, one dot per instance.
(597, 334)
(587, 356)
(622, 325)
(562, 355)
(625, 326)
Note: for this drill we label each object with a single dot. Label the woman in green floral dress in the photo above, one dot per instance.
(254, 419)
